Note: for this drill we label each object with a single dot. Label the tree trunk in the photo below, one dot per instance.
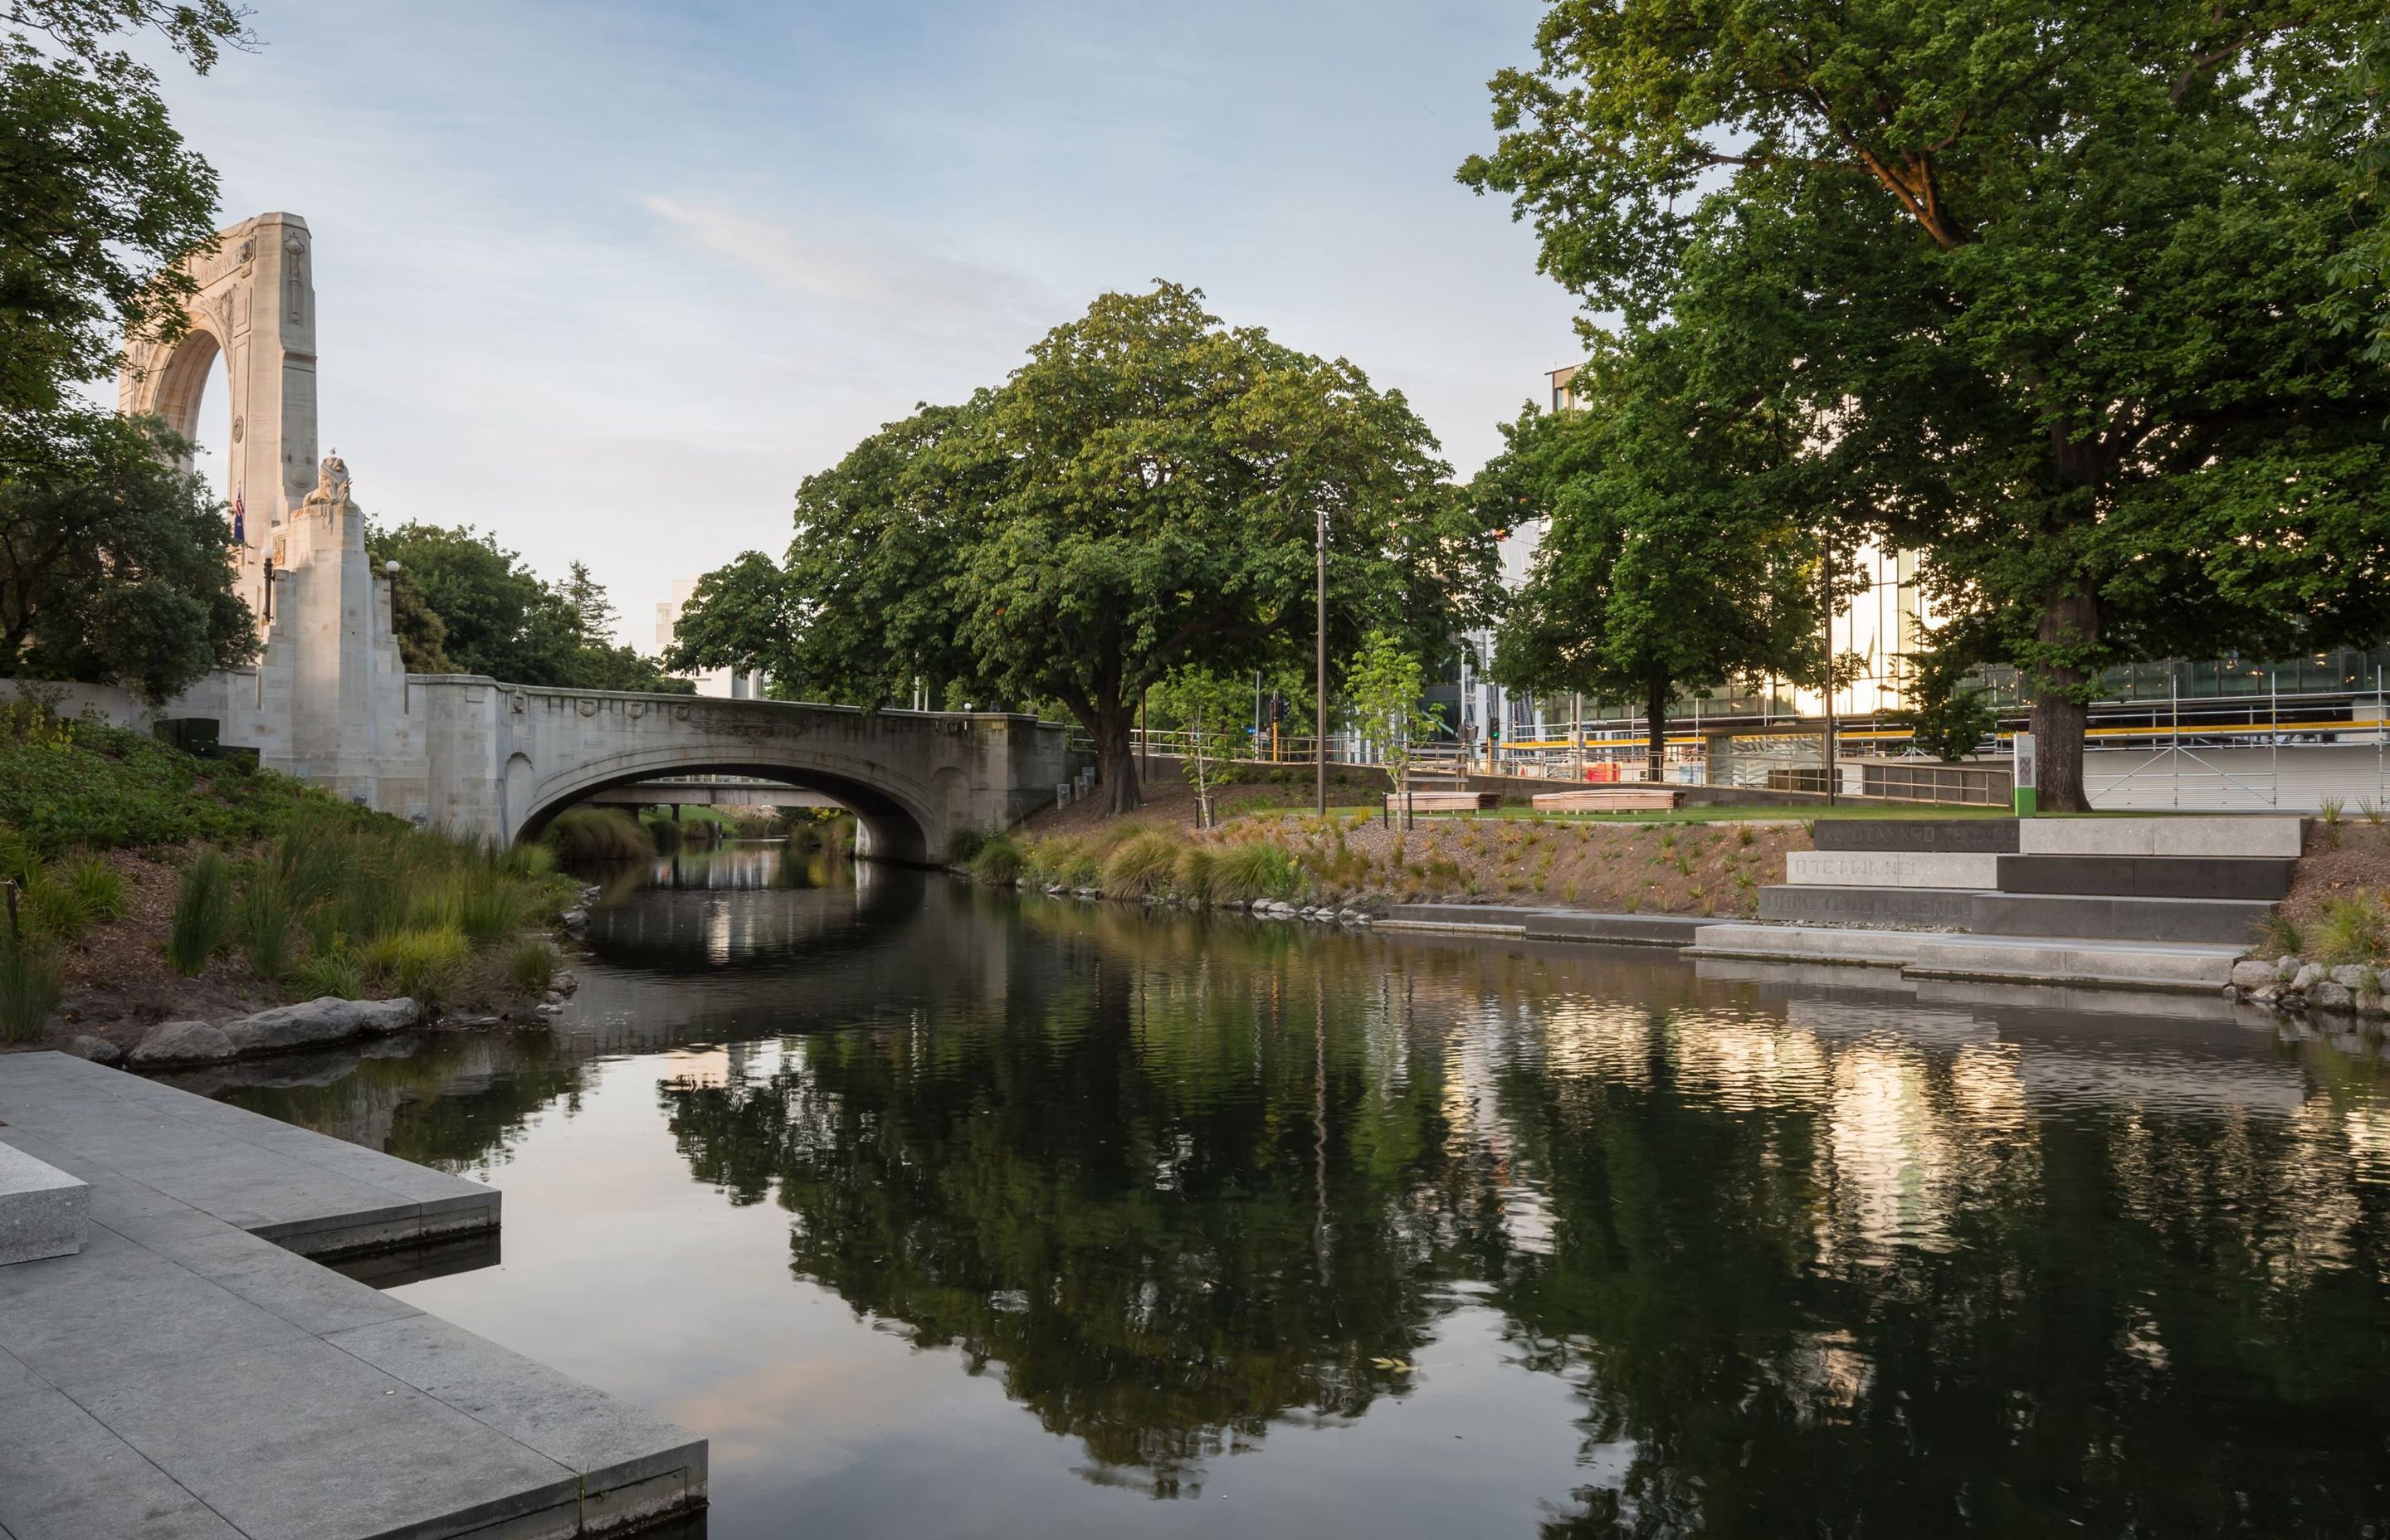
(1655, 717)
(2059, 718)
(1116, 758)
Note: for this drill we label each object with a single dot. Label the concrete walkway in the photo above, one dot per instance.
(188, 1375)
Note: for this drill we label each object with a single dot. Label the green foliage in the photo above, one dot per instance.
(2078, 308)
(1950, 717)
(1138, 498)
(490, 904)
(427, 964)
(496, 616)
(202, 921)
(266, 918)
(531, 966)
(1142, 865)
(1255, 870)
(1198, 878)
(112, 566)
(1212, 710)
(2352, 928)
(582, 834)
(30, 987)
(325, 972)
(998, 860)
(1665, 566)
(97, 888)
(964, 843)
(2278, 936)
(1385, 682)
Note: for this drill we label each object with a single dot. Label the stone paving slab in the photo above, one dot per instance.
(185, 1376)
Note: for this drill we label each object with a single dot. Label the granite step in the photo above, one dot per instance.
(2073, 916)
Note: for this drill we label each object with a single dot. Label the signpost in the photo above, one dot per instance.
(2027, 796)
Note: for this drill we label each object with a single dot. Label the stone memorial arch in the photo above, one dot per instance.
(256, 309)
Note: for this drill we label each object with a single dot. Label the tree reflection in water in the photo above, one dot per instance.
(1831, 1266)
(1813, 1260)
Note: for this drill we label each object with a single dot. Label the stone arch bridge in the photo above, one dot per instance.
(330, 701)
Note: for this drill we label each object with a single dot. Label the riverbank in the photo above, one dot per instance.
(149, 886)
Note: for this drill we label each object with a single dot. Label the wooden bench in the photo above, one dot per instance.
(1620, 797)
(1443, 801)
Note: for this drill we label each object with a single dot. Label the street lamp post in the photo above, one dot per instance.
(1319, 652)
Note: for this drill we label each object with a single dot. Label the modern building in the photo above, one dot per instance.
(723, 682)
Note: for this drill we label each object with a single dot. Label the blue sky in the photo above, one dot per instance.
(610, 279)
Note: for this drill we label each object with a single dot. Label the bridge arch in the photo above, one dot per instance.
(892, 822)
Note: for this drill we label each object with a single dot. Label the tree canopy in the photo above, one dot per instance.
(112, 562)
(470, 606)
(1140, 496)
(1673, 561)
(2071, 300)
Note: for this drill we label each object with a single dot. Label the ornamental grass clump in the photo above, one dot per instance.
(321, 973)
(427, 965)
(2352, 929)
(1141, 867)
(1256, 869)
(266, 919)
(202, 921)
(1197, 876)
(599, 834)
(530, 966)
(31, 985)
(999, 859)
(97, 888)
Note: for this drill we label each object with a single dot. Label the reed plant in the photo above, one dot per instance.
(31, 985)
(203, 920)
(531, 966)
(266, 918)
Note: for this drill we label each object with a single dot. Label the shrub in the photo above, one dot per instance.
(528, 860)
(599, 834)
(322, 974)
(999, 859)
(98, 886)
(427, 965)
(1198, 878)
(19, 859)
(202, 921)
(1142, 865)
(2278, 937)
(266, 918)
(530, 966)
(2353, 929)
(48, 907)
(30, 987)
(489, 905)
(1064, 859)
(1257, 870)
(964, 846)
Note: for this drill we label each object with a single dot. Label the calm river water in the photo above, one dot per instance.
(944, 1214)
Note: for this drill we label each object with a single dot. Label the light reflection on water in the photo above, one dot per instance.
(940, 1214)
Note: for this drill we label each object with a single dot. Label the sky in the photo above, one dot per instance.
(610, 279)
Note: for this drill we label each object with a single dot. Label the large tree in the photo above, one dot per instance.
(496, 616)
(1141, 496)
(98, 195)
(112, 565)
(1673, 561)
(2071, 291)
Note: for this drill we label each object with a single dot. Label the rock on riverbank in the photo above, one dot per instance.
(308, 1024)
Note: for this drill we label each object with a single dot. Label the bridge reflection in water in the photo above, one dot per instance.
(1444, 1238)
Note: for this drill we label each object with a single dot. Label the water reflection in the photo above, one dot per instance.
(1784, 1256)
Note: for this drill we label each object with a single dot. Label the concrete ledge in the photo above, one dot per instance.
(1893, 868)
(2280, 836)
(186, 1374)
(1932, 908)
(2079, 916)
(2004, 959)
(2264, 879)
(44, 1212)
(1504, 919)
(1966, 836)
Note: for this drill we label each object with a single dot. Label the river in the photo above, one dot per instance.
(944, 1212)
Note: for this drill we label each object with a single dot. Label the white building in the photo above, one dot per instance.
(721, 681)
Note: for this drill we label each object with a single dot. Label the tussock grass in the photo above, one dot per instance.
(203, 920)
(599, 834)
(427, 965)
(30, 986)
(2352, 929)
(531, 966)
(322, 974)
(998, 859)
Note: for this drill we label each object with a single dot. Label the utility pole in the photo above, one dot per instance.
(1319, 655)
(1834, 772)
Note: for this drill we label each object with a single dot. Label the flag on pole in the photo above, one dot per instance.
(240, 523)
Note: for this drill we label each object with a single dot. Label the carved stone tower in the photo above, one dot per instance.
(255, 306)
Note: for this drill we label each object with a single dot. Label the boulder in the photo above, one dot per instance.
(183, 1042)
(573, 920)
(2286, 967)
(328, 1019)
(2326, 995)
(99, 1050)
(2253, 973)
(2352, 978)
(2308, 977)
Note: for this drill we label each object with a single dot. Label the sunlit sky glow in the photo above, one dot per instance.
(610, 279)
